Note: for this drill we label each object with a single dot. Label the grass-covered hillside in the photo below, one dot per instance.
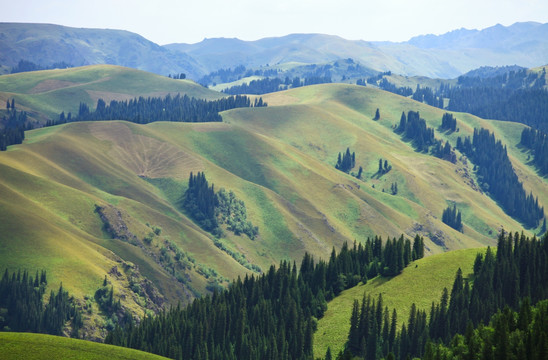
(46, 93)
(89, 199)
(24, 346)
(422, 283)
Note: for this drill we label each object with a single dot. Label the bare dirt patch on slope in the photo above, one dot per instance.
(50, 85)
(145, 156)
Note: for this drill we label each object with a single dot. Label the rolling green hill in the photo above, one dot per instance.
(422, 283)
(26, 346)
(65, 185)
(46, 93)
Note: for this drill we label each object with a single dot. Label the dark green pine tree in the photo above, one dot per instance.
(346, 162)
(403, 123)
(377, 115)
(418, 248)
(200, 201)
(328, 355)
(452, 217)
(354, 335)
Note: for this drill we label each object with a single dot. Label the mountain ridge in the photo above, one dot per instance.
(428, 55)
(442, 56)
(45, 44)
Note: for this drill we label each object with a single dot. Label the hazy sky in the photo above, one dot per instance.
(168, 21)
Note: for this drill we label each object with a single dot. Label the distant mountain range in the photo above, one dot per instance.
(45, 44)
(439, 56)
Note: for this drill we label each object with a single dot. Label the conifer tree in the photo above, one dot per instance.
(377, 115)
(346, 162)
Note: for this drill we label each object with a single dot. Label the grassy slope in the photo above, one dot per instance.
(246, 80)
(49, 92)
(62, 182)
(420, 283)
(322, 120)
(413, 81)
(26, 346)
(279, 160)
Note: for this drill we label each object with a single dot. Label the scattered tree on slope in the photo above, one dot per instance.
(209, 209)
(200, 202)
(14, 126)
(452, 217)
(346, 161)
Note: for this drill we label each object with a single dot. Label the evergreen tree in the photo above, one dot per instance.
(200, 201)
(23, 308)
(452, 217)
(346, 162)
(377, 115)
(403, 123)
(497, 177)
(13, 131)
(177, 109)
(414, 128)
(267, 317)
(448, 122)
(537, 142)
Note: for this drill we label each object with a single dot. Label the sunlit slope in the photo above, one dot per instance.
(279, 160)
(51, 185)
(55, 180)
(321, 121)
(422, 282)
(49, 92)
(26, 346)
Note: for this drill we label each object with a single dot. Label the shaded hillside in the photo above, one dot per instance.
(298, 48)
(444, 56)
(46, 44)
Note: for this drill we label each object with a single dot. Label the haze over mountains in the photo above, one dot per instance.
(444, 56)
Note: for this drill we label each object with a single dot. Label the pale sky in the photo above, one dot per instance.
(182, 21)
